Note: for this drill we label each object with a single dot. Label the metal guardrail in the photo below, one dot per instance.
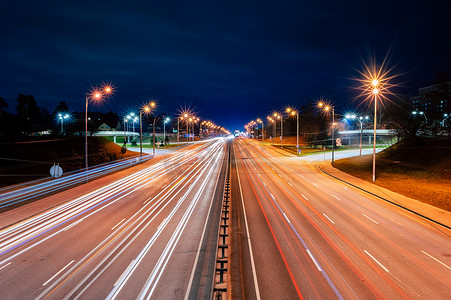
(220, 285)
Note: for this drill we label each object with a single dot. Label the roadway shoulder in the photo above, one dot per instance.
(430, 212)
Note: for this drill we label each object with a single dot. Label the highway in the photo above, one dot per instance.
(140, 233)
(151, 232)
(302, 234)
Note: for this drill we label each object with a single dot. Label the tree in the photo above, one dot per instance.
(29, 115)
(401, 117)
(5, 119)
(61, 108)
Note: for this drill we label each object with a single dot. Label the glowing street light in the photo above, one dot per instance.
(361, 120)
(280, 117)
(292, 112)
(146, 109)
(164, 128)
(95, 94)
(421, 113)
(328, 108)
(445, 116)
(375, 83)
(63, 117)
(263, 129)
(153, 105)
(270, 119)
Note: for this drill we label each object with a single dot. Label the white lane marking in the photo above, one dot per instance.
(436, 259)
(314, 260)
(329, 219)
(304, 197)
(370, 218)
(5, 266)
(280, 175)
(286, 217)
(72, 225)
(273, 169)
(188, 289)
(164, 186)
(164, 222)
(57, 273)
(382, 266)
(346, 188)
(272, 196)
(290, 184)
(264, 183)
(335, 197)
(315, 184)
(258, 175)
(147, 200)
(126, 271)
(301, 175)
(254, 273)
(118, 224)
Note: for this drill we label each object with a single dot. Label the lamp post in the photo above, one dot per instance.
(195, 120)
(445, 116)
(185, 117)
(125, 137)
(375, 85)
(96, 94)
(164, 129)
(145, 109)
(280, 117)
(273, 122)
(190, 120)
(328, 108)
(292, 113)
(263, 129)
(152, 105)
(421, 113)
(62, 118)
(178, 130)
(361, 120)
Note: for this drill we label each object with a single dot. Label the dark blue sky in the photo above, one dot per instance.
(231, 61)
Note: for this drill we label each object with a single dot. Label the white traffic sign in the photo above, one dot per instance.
(56, 171)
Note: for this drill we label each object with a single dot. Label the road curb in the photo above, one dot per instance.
(384, 199)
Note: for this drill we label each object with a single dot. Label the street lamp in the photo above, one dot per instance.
(263, 129)
(361, 120)
(270, 119)
(95, 94)
(185, 116)
(445, 116)
(152, 105)
(62, 118)
(164, 129)
(421, 113)
(125, 136)
(280, 117)
(375, 87)
(375, 84)
(145, 109)
(328, 108)
(295, 113)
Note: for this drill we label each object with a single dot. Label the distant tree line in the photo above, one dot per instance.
(31, 120)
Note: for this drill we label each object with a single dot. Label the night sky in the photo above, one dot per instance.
(230, 61)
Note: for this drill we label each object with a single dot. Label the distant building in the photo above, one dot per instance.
(105, 127)
(433, 101)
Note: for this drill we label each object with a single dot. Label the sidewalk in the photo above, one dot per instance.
(426, 210)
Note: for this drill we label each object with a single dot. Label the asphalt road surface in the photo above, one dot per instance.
(305, 235)
(151, 231)
(141, 233)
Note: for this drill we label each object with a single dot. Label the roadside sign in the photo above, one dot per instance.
(56, 171)
(338, 142)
